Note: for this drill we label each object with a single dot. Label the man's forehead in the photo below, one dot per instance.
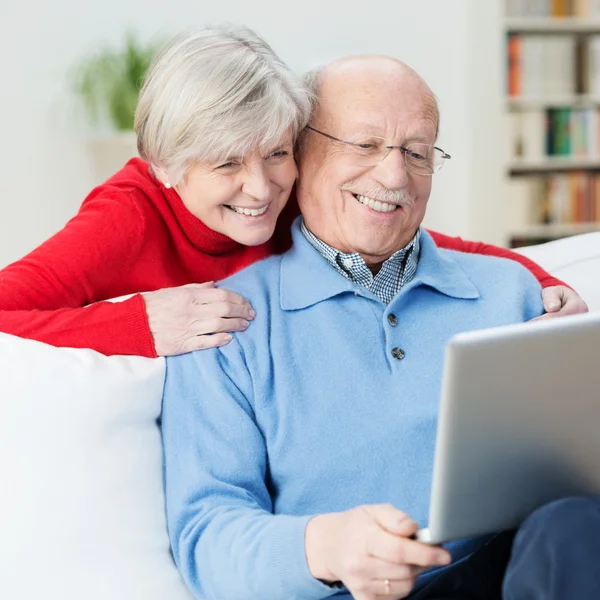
(415, 122)
(377, 93)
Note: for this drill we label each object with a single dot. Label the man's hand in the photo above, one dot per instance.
(368, 549)
(561, 301)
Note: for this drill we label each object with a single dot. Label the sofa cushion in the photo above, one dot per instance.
(575, 260)
(82, 506)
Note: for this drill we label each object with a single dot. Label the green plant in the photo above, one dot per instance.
(109, 82)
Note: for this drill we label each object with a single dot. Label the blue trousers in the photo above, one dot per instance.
(554, 555)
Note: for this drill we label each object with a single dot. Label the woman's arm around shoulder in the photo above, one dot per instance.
(559, 298)
(44, 296)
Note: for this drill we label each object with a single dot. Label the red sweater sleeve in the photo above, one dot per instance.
(456, 243)
(44, 296)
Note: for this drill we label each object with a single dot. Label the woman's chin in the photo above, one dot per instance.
(253, 238)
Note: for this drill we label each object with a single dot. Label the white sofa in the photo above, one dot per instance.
(81, 500)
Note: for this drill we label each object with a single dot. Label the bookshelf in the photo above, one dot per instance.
(552, 109)
(552, 164)
(556, 101)
(550, 25)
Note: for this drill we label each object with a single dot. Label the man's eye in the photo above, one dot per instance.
(416, 155)
(366, 146)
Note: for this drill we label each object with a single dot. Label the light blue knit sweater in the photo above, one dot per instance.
(309, 412)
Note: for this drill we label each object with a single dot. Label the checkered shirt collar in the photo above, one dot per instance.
(395, 272)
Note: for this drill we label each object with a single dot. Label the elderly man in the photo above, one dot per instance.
(299, 456)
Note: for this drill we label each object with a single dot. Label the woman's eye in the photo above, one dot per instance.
(279, 154)
(227, 165)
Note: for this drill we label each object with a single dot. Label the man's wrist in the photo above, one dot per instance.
(317, 534)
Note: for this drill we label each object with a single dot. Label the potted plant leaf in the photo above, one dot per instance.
(108, 83)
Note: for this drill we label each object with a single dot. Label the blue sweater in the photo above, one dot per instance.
(308, 411)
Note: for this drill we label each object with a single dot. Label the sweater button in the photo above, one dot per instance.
(398, 353)
(392, 320)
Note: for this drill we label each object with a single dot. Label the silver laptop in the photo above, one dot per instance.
(519, 425)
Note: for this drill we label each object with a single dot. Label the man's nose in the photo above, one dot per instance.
(257, 183)
(391, 171)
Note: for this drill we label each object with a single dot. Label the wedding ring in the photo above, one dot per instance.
(386, 583)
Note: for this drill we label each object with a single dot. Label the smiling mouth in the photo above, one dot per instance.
(248, 212)
(376, 205)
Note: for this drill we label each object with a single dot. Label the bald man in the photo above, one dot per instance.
(299, 457)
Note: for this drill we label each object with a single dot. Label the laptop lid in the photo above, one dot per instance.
(519, 424)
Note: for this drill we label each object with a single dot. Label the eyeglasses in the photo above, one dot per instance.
(368, 151)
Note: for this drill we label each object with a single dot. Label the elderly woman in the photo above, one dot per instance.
(216, 123)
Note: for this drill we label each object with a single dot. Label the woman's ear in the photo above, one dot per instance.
(162, 176)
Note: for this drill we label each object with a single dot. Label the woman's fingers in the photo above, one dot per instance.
(217, 325)
(224, 310)
(180, 317)
(204, 342)
(212, 295)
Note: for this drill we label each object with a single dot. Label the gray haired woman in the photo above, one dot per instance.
(216, 121)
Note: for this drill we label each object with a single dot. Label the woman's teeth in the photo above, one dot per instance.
(376, 204)
(250, 212)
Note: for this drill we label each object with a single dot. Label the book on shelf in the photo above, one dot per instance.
(569, 198)
(558, 66)
(555, 132)
(552, 8)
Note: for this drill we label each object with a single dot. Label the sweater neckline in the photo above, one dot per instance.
(203, 237)
(200, 235)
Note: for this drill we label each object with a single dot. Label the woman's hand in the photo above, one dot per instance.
(368, 549)
(195, 317)
(561, 301)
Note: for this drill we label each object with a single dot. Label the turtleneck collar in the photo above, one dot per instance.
(200, 235)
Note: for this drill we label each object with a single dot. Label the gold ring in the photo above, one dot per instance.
(386, 583)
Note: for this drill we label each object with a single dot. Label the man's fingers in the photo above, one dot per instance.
(380, 569)
(386, 580)
(391, 519)
(393, 549)
(423, 555)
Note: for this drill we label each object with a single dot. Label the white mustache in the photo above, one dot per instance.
(399, 197)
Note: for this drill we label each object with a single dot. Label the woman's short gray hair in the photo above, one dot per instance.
(213, 93)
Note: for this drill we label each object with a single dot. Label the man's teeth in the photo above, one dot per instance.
(375, 204)
(250, 212)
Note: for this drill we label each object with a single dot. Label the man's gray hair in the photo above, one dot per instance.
(213, 93)
(312, 79)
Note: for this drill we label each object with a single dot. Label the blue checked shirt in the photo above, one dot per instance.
(395, 272)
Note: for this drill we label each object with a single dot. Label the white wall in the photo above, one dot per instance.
(45, 166)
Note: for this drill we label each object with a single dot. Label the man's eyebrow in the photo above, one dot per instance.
(371, 128)
(368, 127)
(419, 137)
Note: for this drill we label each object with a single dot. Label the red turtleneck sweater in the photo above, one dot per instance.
(130, 236)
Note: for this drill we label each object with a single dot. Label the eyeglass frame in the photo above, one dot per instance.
(403, 149)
